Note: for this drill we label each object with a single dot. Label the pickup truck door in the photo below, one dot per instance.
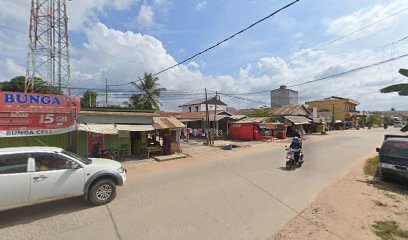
(14, 180)
(54, 177)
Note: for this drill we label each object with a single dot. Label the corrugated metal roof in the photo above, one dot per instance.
(120, 113)
(288, 109)
(167, 123)
(98, 128)
(253, 120)
(134, 128)
(297, 120)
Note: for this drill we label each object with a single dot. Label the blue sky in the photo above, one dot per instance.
(122, 39)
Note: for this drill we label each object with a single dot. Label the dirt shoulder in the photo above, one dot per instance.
(349, 208)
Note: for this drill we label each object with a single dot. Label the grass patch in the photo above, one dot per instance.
(371, 166)
(388, 230)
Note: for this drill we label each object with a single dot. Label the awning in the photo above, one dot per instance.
(167, 123)
(298, 120)
(134, 128)
(338, 121)
(98, 128)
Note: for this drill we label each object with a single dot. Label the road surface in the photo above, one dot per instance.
(240, 194)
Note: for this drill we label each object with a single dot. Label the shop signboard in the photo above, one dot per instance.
(32, 114)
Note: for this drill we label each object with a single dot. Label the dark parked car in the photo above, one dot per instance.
(394, 157)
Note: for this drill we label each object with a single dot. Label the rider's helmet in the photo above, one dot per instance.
(296, 140)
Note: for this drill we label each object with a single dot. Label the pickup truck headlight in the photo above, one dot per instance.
(121, 169)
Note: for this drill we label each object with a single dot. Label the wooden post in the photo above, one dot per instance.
(207, 118)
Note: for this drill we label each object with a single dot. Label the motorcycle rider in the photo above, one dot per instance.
(296, 145)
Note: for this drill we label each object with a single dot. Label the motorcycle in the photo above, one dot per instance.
(294, 158)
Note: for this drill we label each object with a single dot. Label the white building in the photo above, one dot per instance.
(199, 105)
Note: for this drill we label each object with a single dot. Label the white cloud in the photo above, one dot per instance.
(146, 16)
(364, 17)
(201, 5)
(9, 69)
(244, 72)
(131, 54)
(193, 64)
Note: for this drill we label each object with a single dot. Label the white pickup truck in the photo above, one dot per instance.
(30, 175)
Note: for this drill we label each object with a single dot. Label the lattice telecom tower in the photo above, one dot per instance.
(48, 52)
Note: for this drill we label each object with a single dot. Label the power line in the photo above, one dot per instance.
(219, 43)
(350, 71)
(383, 46)
(330, 42)
(230, 37)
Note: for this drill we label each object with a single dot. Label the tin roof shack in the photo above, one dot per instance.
(123, 130)
(295, 117)
(170, 131)
(254, 129)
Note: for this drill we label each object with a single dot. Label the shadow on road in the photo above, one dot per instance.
(32, 213)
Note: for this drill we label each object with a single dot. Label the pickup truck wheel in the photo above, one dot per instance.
(102, 192)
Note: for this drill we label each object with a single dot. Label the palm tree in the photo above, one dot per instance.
(151, 88)
(401, 88)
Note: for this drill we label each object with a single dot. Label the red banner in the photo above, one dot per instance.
(31, 114)
(95, 143)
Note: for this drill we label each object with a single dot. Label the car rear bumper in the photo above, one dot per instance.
(394, 172)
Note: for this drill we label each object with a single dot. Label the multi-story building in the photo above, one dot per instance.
(199, 105)
(340, 108)
(283, 96)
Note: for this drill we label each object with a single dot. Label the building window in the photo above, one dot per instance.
(189, 109)
(196, 107)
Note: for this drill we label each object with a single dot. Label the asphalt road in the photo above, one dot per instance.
(240, 194)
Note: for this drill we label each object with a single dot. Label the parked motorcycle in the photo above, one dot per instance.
(294, 158)
(110, 154)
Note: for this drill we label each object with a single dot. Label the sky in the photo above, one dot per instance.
(120, 40)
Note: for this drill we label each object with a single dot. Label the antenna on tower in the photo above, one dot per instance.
(48, 52)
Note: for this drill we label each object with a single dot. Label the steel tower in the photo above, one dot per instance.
(48, 52)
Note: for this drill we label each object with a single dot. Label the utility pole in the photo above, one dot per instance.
(106, 92)
(215, 125)
(333, 117)
(207, 117)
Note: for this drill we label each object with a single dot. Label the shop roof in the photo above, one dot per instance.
(253, 120)
(138, 114)
(297, 120)
(98, 128)
(167, 123)
(135, 127)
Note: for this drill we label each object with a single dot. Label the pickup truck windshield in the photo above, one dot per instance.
(79, 158)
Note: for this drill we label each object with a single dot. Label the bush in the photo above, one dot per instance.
(371, 166)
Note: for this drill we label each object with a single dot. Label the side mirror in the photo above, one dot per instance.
(75, 165)
(378, 150)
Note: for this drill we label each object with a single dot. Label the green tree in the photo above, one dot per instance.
(135, 101)
(263, 112)
(150, 87)
(17, 84)
(374, 119)
(89, 99)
